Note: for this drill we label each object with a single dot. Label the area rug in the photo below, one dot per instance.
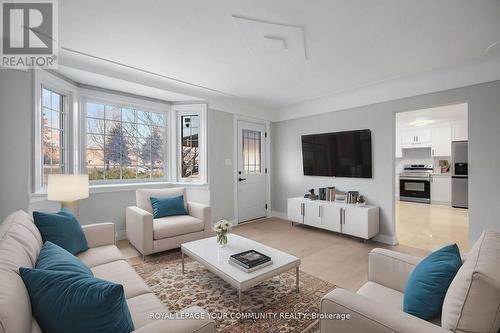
(274, 304)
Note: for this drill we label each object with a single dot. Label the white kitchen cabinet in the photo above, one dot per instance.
(359, 221)
(413, 138)
(441, 189)
(460, 131)
(441, 140)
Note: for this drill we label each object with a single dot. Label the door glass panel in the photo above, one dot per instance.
(251, 151)
(411, 186)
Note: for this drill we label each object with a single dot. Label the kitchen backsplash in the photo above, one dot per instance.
(419, 156)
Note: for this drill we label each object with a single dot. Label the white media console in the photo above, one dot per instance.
(350, 219)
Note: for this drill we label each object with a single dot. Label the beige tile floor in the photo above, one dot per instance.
(431, 226)
(339, 259)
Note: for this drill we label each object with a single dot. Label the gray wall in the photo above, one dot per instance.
(288, 180)
(16, 101)
(484, 153)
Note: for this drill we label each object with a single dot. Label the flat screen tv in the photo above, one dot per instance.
(339, 154)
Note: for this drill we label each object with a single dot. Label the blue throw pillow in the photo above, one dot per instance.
(73, 302)
(427, 285)
(54, 258)
(62, 229)
(170, 206)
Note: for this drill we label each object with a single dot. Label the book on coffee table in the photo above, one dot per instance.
(249, 270)
(250, 260)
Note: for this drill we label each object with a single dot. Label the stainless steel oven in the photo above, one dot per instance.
(415, 183)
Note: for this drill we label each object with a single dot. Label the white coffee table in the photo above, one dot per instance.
(208, 253)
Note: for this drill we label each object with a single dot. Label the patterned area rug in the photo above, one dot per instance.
(277, 304)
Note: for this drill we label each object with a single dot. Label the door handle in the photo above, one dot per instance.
(241, 179)
(319, 211)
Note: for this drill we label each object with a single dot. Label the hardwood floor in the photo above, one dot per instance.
(431, 226)
(336, 258)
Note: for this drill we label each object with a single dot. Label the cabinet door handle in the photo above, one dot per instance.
(319, 211)
(343, 215)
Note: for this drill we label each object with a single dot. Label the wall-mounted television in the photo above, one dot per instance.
(339, 154)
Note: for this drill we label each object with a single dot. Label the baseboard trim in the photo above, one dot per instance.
(277, 214)
(386, 239)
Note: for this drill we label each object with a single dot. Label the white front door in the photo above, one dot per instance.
(251, 170)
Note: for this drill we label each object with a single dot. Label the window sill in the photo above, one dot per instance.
(109, 188)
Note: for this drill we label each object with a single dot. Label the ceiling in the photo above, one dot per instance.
(433, 116)
(273, 54)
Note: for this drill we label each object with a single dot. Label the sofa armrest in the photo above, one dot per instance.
(202, 212)
(365, 315)
(390, 268)
(197, 320)
(139, 229)
(99, 234)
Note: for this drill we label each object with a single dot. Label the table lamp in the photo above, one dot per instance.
(68, 189)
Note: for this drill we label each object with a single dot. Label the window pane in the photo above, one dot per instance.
(95, 172)
(143, 171)
(128, 115)
(95, 157)
(52, 134)
(95, 110)
(56, 101)
(157, 172)
(46, 98)
(251, 151)
(112, 172)
(112, 113)
(129, 172)
(190, 150)
(129, 142)
(95, 126)
(56, 120)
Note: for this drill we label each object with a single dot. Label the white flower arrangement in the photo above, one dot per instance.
(221, 229)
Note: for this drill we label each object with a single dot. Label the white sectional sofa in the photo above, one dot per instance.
(20, 244)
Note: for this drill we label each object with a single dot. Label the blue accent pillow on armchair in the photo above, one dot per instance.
(171, 206)
(62, 229)
(73, 302)
(427, 285)
(54, 258)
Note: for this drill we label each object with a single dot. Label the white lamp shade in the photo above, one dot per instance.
(67, 187)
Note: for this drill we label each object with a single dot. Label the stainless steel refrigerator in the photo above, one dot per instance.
(460, 176)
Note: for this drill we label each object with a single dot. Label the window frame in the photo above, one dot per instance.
(179, 110)
(124, 102)
(43, 80)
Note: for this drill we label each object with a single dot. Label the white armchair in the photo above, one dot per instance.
(149, 235)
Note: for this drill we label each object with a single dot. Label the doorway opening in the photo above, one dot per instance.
(431, 177)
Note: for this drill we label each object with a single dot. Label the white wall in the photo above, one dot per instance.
(16, 100)
(221, 138)
(484, 152)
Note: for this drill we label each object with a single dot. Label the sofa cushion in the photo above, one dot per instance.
(73, 302)
(54, 258)
(120, 272)
(172, 226)
(472, 303)
(143, 306)
(142, 196)
(170, 206)
(379, 293)
(100, 255)
(63, 229)
(20, 243)
(427, 285)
